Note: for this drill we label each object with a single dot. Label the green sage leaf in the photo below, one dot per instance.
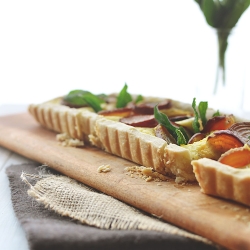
(178, 133)
(203, 111)
(164, 121)
(217, 113)
(196, 124)
(181, 139)
(84, 98)
(75, 97)
(123, 97)
(139, 98)
(93, 101)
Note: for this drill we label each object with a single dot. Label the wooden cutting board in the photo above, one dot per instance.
(224, 222)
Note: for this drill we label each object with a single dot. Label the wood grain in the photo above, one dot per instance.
(224, 222)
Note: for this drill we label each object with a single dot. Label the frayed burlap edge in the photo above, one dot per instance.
(69, 198)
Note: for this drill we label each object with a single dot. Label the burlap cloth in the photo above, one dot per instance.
(57, 212)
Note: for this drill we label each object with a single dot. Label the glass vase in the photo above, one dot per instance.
(229, 92)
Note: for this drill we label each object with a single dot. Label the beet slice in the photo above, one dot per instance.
(140, 121)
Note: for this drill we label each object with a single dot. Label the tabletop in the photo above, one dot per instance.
(12, 235)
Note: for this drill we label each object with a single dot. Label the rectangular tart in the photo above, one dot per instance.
(185, 163)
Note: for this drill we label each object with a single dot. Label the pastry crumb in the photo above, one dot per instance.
(224, 206)
(237, 217)
(104, 169)
(66, 141)
(178, 185)
(235, 208)
(180, 180)
(145, 173)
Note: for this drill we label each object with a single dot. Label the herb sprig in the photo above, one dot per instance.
(200, 119)
(178, 133)
(84, 98)
(123, 97)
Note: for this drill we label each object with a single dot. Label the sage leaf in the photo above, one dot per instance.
(181, 140)
(196, 124)
(203, 110)
(84, 98)
(139, 98)
(75, 97)
(123, 97)
(217, 113)
(93, 101)
(178, 133)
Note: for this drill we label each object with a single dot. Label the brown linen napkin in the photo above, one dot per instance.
(46, 229)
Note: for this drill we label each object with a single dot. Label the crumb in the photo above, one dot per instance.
(178, 185)
(147, 174)
(67, 141)
(237, 216)
(224, 206)
(149, 178)
(157, 216)
(180, 180)
(104, 169)
(245, 218)
(235, 208)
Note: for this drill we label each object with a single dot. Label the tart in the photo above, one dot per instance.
(174, 138)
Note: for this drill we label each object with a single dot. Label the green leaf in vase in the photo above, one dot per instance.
(222, 15)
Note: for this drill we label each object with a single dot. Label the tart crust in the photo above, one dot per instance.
(221, 180)
(77, 123)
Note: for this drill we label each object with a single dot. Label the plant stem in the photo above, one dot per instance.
(222, 36)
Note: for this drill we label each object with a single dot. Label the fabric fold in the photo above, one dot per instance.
(61, 213)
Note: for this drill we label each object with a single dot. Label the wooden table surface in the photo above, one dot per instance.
(12, 236)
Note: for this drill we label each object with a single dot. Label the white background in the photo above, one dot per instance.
(158, 47)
